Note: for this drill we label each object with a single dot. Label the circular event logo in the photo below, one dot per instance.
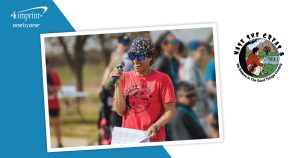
(259, 56)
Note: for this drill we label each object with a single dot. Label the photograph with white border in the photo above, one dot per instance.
(132, 87)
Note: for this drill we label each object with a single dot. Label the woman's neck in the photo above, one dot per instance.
(168, 55)
(143, 73)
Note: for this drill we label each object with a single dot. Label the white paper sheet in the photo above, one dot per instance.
(127, 136)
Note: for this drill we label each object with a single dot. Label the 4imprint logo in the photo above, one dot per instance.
(31, 13)
(28, 15)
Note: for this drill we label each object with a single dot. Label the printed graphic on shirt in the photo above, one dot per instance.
(259, 57)
(137, 98)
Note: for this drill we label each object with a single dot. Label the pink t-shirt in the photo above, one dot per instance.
(145, 97)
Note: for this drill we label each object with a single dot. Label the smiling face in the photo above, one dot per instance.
(142, 66)
(141, 55)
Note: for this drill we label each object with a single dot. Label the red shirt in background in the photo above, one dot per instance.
(145, 97)
(253, 61)
(53, 103)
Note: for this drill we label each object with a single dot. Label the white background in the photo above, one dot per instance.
(259, 119)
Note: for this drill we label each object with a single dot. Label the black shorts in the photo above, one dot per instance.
(117, 120)
(54, 112)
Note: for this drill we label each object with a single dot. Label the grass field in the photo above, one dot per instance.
(268, 68)
(71, 123)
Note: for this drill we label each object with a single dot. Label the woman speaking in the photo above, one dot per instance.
(144, 97)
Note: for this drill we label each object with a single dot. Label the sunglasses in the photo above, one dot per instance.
(173, 42)
(191, 95)
(139, 57)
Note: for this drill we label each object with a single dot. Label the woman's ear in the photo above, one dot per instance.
(151, 60)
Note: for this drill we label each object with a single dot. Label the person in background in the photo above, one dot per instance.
(186, 125)
(192, 73)
(107, 113)
(145, 98)
(179, 55)
(211, 82)
(253, 63)
(166, 47)
(53, 86)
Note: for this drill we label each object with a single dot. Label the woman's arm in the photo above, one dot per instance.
(119, 100)
(170, 111)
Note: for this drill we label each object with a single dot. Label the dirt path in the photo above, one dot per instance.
(71, 142)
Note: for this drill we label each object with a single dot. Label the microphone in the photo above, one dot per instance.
(115, 78)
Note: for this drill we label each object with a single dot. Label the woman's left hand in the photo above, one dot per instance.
(153, 130)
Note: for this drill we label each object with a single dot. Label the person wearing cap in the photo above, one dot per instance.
(106, 92)
(128, 66)
(193, 74)
(145, 98)
(123, 46)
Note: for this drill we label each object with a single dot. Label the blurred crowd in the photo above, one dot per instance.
(197, 111)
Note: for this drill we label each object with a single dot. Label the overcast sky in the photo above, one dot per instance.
(186, 35)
